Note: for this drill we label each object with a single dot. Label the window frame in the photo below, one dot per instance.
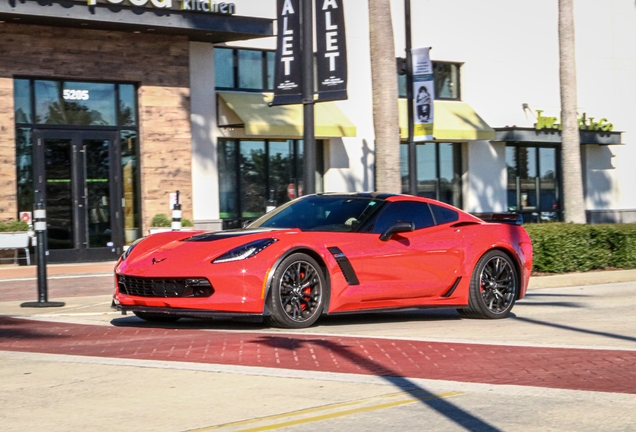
(533, 214)
(239, 219)
(402, 91)
(236, 73)
(457, 171)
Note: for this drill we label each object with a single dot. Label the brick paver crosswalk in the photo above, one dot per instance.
(566, 368)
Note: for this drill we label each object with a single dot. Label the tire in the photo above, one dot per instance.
(156, 317)
(298, 292)
(494, 287)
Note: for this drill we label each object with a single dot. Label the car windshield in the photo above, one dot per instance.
(321, 213)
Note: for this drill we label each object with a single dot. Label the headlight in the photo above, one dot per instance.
(130, 248)
(245, 251)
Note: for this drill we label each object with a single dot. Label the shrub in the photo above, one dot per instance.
(13, 226)
(561, 247)
(160, 221)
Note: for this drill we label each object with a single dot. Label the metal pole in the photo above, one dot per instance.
(40, 230)
(309, 139)
(409, 95)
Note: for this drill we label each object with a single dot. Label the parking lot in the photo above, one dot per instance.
(565, 360)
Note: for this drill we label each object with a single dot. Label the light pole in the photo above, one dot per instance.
(309, 138)
(412, 152)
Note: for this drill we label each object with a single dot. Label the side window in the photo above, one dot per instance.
(418, 213)
(443, 215)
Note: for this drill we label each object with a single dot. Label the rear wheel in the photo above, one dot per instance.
(493, 287)
(156, 317)
(297, 294)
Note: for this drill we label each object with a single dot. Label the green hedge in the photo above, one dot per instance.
(561, 247)
(13, 226)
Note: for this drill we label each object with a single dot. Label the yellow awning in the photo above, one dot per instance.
(454, 121)
(250, 110)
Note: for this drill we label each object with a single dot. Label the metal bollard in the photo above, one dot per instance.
(40, 231)
(176, 215)
(271, 202)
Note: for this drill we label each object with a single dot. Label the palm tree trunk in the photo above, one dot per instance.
(573, 199)
(385, 97)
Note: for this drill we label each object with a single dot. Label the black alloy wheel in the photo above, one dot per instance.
(493, 287)
(297, 292)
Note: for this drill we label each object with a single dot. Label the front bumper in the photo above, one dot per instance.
(186, 313)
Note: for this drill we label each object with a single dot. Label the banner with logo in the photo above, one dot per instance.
(331, 57)
(287, 71)
(423, 94)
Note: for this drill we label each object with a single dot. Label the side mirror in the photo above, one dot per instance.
(397, 227)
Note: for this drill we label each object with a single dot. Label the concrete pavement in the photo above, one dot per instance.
(564, 361)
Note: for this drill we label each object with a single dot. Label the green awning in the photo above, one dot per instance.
(252, 112)
(454, 121)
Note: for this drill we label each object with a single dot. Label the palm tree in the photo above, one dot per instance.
(385, 97)
(573, 199)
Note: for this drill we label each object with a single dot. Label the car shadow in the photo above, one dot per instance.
(257, 323)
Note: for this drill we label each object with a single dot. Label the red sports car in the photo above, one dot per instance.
(330, 254)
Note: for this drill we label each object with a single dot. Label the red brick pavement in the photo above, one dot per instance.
(576, 369)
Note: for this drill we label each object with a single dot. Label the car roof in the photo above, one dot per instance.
(394, 197)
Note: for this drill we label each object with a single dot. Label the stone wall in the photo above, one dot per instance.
(157, 63)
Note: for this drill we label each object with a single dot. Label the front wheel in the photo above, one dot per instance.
(297, 294)
(493, 287)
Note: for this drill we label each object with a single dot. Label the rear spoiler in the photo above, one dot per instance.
(508, 218)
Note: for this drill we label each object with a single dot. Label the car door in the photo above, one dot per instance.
(420, 263)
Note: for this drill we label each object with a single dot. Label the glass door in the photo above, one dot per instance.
(76, 179)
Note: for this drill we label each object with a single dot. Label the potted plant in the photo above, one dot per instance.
(14, 235)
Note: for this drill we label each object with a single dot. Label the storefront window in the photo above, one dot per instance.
(253, 178)
(22, 101)
(228, 178)
(271, 61)
(254, 174)
(74, 103)
(224, 68)
(132, 191)
(281, 169)
(254, 69)
(250, 68)
(438, 171)
(24, 168)
(67, 105)
(533, 182)
(446, 78)
(127, 109)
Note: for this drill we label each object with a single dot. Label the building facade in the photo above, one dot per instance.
(112, 106)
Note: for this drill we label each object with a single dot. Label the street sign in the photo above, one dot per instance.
(291, 191)
(26, 217)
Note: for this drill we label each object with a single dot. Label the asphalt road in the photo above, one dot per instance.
(565, 360)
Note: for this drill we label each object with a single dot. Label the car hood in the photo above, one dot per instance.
(160, 255)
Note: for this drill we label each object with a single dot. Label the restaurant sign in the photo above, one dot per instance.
(585, 123)
(186, 5)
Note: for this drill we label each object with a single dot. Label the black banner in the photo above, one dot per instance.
(331, 57)
(288, 74)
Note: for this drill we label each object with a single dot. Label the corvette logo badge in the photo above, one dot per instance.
(155, 260)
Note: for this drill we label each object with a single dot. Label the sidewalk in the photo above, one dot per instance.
(536, 282)
(9, 271)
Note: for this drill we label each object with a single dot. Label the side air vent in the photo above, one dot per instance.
(345, 266)
(452, 289)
